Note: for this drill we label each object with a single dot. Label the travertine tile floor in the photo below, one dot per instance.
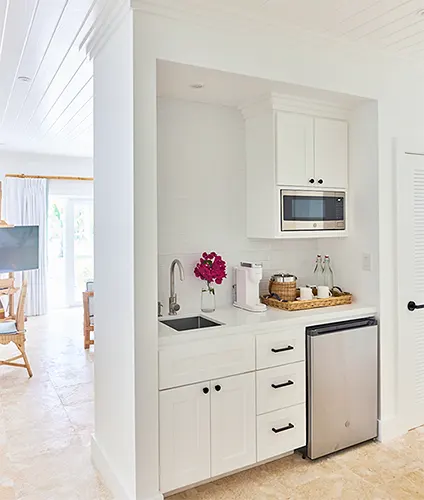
(368, 472)
(46, 423)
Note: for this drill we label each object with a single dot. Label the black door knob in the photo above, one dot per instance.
(312, 181)
(205, 390)
(412, 306)
(218, 388)
(320, 181)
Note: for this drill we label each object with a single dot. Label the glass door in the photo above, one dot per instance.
(70, 249)
(83, 246)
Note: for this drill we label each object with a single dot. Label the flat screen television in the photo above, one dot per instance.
(19, 248)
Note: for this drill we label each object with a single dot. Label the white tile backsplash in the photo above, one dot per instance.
(202, 200)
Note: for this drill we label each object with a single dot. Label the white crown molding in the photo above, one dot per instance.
(295, 104)
(106, 23)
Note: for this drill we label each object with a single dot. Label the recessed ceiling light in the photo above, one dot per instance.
(24, 78)
(420, 12)
(198, 85)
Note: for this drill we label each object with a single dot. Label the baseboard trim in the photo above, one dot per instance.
(390, 428)
(102, 465)
(158, 496)
(112, 482)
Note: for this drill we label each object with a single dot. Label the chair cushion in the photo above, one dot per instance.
(8, 328)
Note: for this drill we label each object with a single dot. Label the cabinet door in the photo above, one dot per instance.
(233, 423)
(331, 153)
(184, 436)
(294, 149)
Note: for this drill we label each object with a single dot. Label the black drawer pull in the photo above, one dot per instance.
(286, 384)
(283, 349)
(281, 429)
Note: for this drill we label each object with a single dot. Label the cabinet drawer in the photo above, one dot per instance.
(280, 348)
(281, 431)
(197, 361)
(279, 387)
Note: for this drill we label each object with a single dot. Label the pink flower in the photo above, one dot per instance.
(211, 268)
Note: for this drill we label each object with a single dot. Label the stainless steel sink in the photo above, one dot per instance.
(192, 323)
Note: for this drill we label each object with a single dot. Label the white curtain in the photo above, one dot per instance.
(25, 204)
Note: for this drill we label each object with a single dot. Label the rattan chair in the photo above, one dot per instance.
(14, 331)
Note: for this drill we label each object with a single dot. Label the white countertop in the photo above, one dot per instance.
(237, 321)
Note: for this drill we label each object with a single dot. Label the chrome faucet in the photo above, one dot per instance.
(174, 307)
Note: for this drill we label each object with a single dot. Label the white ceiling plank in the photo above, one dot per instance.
(4, 15)
(62, 126)
(386, 31)
(39, 36)
(64, 49)
(85, 92)
(372, 14)
(84, 136)
(405, 12)
(19, 18)
(73, 129)
(21, 57)
(41, 61)
(50, 103)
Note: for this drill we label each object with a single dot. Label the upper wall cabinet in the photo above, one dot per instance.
(331, 152)
(309, 151)
(294, 149)
(292, 143)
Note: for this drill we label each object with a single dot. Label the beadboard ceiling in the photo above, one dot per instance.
(393, 25)
(46, 81)
(46, 41)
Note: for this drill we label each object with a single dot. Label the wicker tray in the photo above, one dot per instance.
(298, 305)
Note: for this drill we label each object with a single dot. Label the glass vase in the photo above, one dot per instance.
(207, 304)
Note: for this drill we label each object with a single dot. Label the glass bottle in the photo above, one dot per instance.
(318, 271)
(328, 273)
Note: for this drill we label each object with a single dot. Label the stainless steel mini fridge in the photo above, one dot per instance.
(341, 385)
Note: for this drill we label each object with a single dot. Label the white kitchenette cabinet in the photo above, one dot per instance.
(294, 149)
(331, 153)
(206, 430)
(310, 152)
(233, 423)
(185, 431)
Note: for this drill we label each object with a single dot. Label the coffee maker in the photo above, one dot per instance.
(246, 286)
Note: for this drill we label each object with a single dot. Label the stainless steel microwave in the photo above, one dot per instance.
(312, 210)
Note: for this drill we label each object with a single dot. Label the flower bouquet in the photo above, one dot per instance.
(212, 269)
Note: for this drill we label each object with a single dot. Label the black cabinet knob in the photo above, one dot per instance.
(320, 181)
(205, 390)
(312, 181)
(218, 388)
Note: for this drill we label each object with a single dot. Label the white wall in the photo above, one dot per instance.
(14, 162)
(302, 61)
(347, 253)
(114, 442)
(202, 201)
(319, 63)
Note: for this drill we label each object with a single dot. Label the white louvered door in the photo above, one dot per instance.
(410, 226)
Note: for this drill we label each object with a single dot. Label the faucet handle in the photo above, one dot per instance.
(160, 306)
